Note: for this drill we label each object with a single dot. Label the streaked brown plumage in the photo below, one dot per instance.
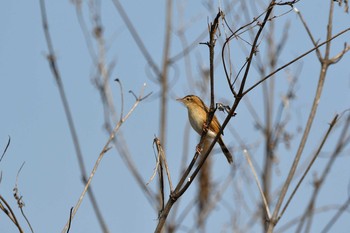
(197, 114)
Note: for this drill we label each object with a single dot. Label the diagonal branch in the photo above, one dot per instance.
(99, 159)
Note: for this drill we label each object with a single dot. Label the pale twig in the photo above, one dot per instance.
(102, 153)
(246, 154)
(318, 52)
(122, 147)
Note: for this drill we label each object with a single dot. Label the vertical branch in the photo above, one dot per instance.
(164, 82)
(211, 44)
(164, 74)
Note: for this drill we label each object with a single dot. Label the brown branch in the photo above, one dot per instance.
(8, 211)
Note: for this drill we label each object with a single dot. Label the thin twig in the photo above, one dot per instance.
(102, 153)
(70, 219)
(267, 209)
(9, 212)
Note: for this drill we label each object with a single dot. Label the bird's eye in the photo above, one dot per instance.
(188, 98)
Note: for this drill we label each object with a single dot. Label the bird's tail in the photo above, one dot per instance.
(226, 152)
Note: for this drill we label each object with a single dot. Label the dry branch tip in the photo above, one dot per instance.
(6, 147)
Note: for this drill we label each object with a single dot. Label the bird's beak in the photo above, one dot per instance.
(179, 99)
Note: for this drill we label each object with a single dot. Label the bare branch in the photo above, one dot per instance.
(9, 212)
(102, 153)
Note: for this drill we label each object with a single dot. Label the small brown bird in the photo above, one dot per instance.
(197, 114)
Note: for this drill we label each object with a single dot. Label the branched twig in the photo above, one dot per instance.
(102, 153)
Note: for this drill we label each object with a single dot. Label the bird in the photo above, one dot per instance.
(197, 115)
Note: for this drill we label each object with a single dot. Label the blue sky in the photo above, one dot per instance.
(32, 113)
